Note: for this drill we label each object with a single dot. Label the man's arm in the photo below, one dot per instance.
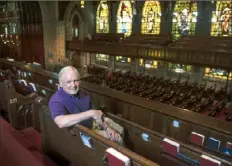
(70, 120)
(57, 110)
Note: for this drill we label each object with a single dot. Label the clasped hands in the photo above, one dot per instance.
(98, 116)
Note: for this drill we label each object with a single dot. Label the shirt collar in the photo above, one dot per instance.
(68, 95)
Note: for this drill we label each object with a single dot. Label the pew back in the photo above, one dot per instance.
(58, 142)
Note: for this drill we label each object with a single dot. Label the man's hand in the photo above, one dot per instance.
(96, 114)
(113, 135)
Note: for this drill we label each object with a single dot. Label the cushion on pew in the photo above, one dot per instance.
(6, 126)
(13, 153)
(23, 143)
(33, 136)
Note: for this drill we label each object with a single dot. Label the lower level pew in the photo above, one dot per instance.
(70, 146)
(149, 144)
(216, 137)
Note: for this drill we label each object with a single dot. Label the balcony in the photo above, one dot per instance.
(205, 56)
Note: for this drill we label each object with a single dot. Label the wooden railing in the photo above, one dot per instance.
(208, 54)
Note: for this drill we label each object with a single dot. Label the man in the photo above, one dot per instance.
(70, 106)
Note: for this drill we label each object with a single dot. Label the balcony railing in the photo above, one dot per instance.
(218, 58)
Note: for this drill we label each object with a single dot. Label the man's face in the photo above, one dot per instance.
(70, 82)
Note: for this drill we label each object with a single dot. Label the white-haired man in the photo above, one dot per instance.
(70, 106)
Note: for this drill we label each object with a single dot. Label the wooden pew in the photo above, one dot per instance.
(17, 106)
(149, 144)
(150, 148)
(160, 121)
(155, 116)
(57, 142)
(17, 102)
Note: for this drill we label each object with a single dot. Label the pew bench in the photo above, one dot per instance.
(17, 106)
(148, 143)
(175, 133)
(80, 146)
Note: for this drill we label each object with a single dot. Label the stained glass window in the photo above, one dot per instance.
(124, 18)
(222, 19)
(217, 73)
(102, 18)
(102, 57)
(184, 18)
(151, 18)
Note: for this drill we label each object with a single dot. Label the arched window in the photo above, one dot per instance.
(102, 18)
(151, 17)
(222, 19)
(124, 18)
(184, 18)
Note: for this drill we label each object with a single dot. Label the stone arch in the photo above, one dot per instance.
(72, 10)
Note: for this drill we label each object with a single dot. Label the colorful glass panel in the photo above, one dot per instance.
(102, 18)
(124, 18)
(184, 18)
(151, 18)
(221, 22)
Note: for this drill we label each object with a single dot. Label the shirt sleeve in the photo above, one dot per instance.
(56, 109)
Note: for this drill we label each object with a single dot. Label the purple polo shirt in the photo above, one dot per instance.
(61, 103)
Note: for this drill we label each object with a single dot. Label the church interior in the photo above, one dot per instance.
(160, 69)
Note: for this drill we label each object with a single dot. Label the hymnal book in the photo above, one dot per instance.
(229, 145)
(170, 147)
(116, 158)
(208, 161)
(197, 138)
(227, 151)
(213, 143)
